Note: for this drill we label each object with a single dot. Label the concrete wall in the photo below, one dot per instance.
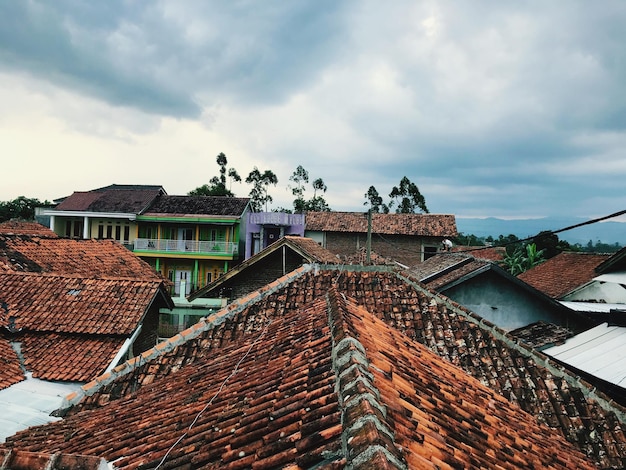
(507, 305)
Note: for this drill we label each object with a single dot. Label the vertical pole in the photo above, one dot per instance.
(368, 256)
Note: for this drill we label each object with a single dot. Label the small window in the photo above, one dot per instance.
(429, 252)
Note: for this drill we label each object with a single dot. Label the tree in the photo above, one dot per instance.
(20, 208)
(259, 193)
(217, 185)
(548, 243)
(375, 201)
(300, 177)
(468, 240)
(317, 203)
(408, 198)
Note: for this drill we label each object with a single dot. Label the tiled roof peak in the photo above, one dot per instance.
(422, 225)
(428, 383)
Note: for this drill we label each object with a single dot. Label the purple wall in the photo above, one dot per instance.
(264, 228)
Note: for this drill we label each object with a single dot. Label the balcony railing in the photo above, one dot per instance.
(186, 246)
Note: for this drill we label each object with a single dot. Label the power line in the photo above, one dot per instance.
(522, 240)
(551, 232)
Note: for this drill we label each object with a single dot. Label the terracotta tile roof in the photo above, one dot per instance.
(360, 257)
(12, 227)
(68, 357)
(294, 380)
(325, 385)
(126, 201)
(71, 328)
(423, 225)
(74, 305)
(309, 247)
(10, 370)
(563, 273)
(89, 258)
(198, 205)
(440, 264)
(492, 253)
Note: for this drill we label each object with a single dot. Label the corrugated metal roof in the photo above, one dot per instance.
(596, 307)
(30, 402)
(616, 277)
(600, 351)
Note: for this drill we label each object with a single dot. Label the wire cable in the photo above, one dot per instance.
(234, 371)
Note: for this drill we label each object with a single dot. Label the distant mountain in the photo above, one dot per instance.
(606, 232)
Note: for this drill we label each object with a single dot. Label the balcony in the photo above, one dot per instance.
(216, 248)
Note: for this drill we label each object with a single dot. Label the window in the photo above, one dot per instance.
(429, 252)
(119, 231)
(73, 228)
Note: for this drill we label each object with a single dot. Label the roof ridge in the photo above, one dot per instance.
(168, 345)
(367, 439)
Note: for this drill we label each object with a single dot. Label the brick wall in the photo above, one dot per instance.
(405, 249)
(264, 272)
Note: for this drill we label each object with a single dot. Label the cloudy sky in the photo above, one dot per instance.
(505, 109)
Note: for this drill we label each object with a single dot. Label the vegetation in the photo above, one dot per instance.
(523, 258)
(217, 184)
(317, 203)
(259, 196)
(406, 197)
(21, 208)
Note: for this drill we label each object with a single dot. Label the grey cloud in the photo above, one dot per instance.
(148, 58)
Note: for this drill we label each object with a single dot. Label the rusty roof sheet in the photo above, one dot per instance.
(563, 273)
(542, 334)
(13, 227)
(422, 225)
(20, 460)
(89, 258)
(198, 205)
(113, 200)
(261, 381)
(59, 304)
(10, 370)
(325, 384)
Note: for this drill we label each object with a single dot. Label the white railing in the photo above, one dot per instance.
(186, 246)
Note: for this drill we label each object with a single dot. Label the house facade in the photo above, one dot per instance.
(406, 238)
(190, 240)
(104, 213)
(488, 290)
(264, 228)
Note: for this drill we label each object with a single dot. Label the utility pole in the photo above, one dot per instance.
(368, 255)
